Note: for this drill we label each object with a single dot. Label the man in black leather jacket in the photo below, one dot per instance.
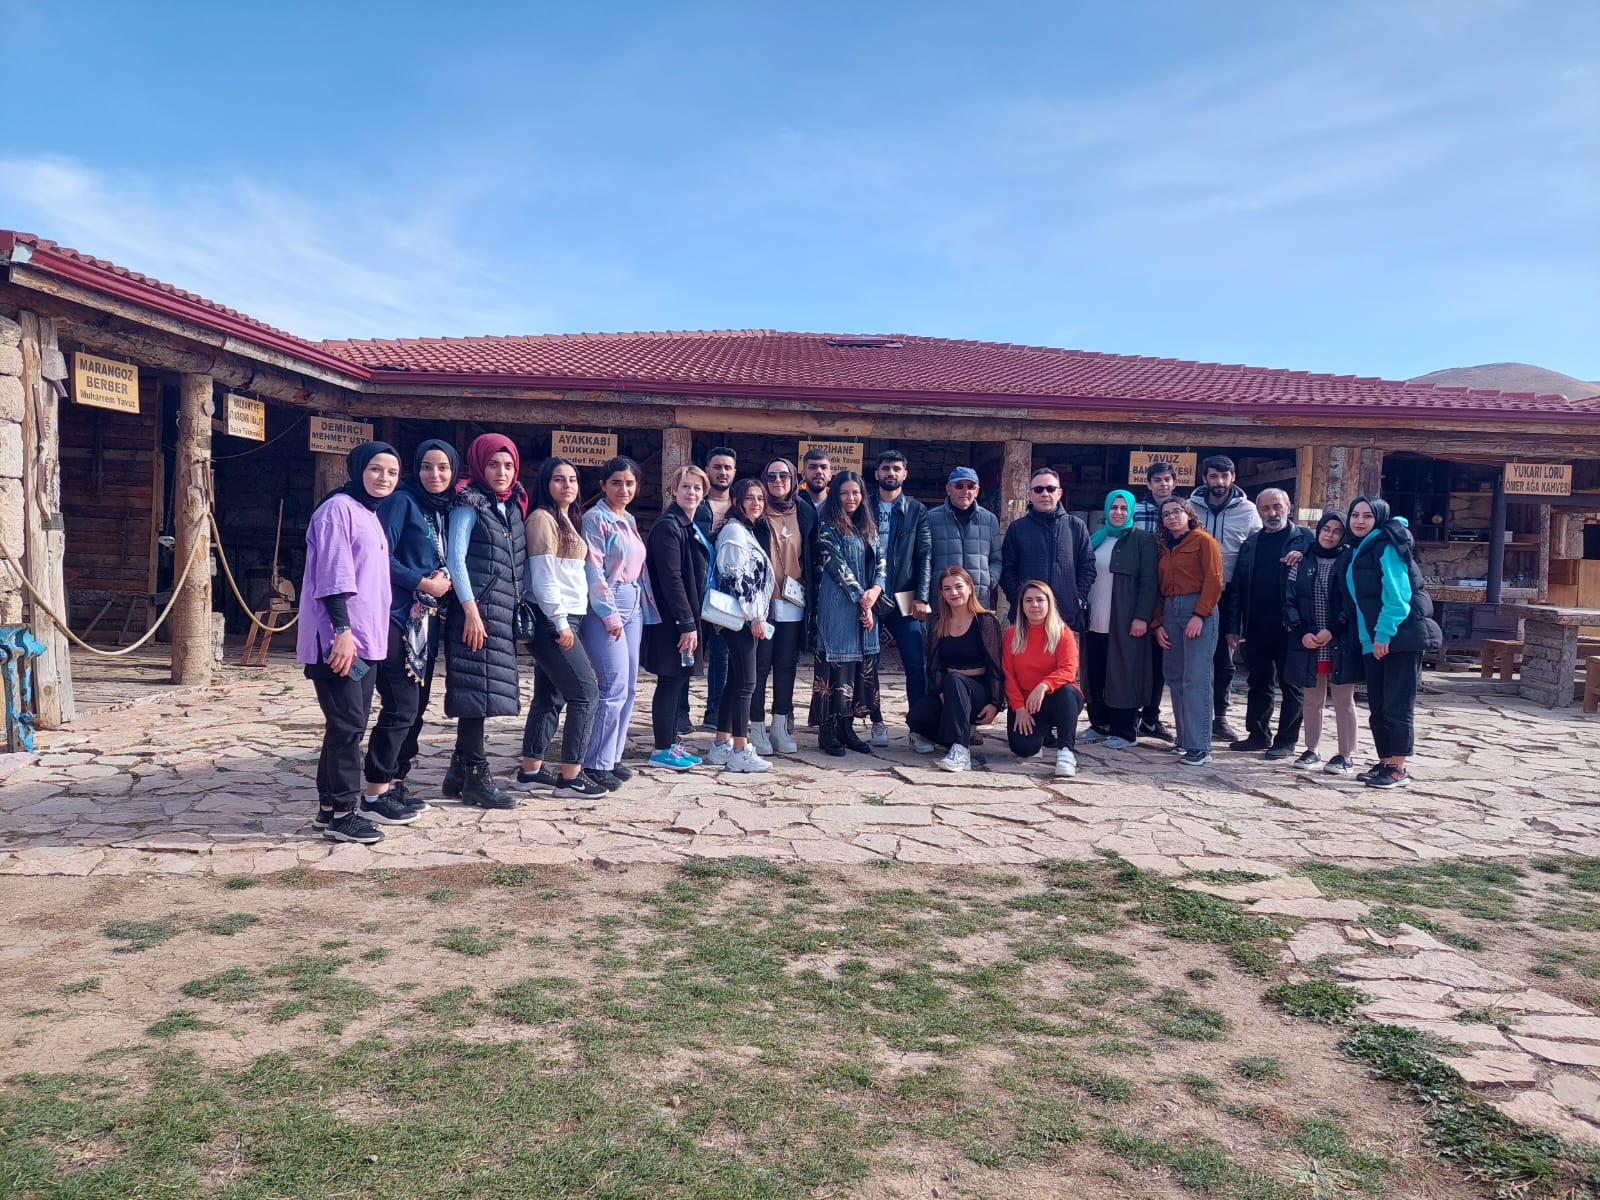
(907, 546)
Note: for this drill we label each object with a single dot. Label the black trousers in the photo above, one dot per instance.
(1392, 701)
(1221, 663)
(346, 704)
(1060, 712)
(665, 705)
(1151, 715)
(561, 679)
(778, 658)
(1266, 648)
(947, 719)
(1118, 722)
(392, 748)
(471, 743)
(733, 712)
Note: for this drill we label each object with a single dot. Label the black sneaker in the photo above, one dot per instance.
(605, 779)
(1221, 731)
(579, 787)
(323, 817)
(621, 772)
(1249, 743)
(1158, 731)
(1339, 765)
(386, 810)
(402, 794)
(352, 827)
(545, 776)
(685, 725)
(1390, 777)
(1280, 752)
(1372, 772)
(1196, 758)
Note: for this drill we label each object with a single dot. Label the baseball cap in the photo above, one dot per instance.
(963, 475)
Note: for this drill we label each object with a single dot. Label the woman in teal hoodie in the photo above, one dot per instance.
(1394, 618)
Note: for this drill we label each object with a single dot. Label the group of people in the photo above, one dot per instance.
(740, 575)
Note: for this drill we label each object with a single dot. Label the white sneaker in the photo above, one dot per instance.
(719, 753)
(1066, 763)
(783, 735)
(959, 759)
(747, 762)
(760, 740)
(880, 734)
(922, 745)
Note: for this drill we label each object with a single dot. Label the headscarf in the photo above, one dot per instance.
(484, 447)
(1098, 537)
(356, 463)
(1317, 547)
(784, 506)
(440, 501)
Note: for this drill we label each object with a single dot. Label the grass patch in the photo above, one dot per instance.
(452, 1008)
(534, 1000)
(81, 986)
(139, 935)
(1319, 1000)
(1201, 1086)
(1201, 1166)
(1483, 891)
(226, 987)
(1259, 1067)
(440, 894)
(470, 940)
(179, 1020)
(238, 883)
(229, 925)
(1176, 1015)
(512, 876)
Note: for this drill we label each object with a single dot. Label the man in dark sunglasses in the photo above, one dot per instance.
(1052, 545)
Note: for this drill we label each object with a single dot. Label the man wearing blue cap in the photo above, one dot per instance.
(965, 534)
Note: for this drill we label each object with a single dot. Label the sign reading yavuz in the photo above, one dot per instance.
(102, 383)
(581, 448)
(1538, 479)
(842, 456)
(1182, 464)
(330, 436)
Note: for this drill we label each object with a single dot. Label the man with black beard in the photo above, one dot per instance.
(1260, 581)
(815, 472)
(1227, 515)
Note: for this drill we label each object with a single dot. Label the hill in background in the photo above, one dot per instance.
(1511, 377)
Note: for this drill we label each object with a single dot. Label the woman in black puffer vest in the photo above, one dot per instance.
(487, 551)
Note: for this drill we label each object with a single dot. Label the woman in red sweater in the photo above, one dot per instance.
(1041, 666)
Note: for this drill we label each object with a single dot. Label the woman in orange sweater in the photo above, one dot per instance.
(1190, 574)
(1041, 665)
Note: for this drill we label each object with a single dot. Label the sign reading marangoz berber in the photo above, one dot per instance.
(1538, 479)
(104, 383)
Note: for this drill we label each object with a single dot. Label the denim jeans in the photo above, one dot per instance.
(908, 634)
(1188, 665)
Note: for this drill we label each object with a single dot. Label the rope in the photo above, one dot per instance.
(216, 533)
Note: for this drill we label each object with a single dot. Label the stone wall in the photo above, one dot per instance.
(11, 498)
(1549, 663)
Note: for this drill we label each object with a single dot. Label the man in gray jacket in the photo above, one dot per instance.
(965, 534)
(1230, 517)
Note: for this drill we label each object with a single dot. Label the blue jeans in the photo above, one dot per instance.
(908, 634)
(1189, 668)
(716, 673)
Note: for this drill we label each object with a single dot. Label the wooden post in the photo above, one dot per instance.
(677, 452)
(1014, 475)
(1304, 461)
(329, 473)
(1371, 471)
(191, 615)
(44, 532)
(1497, 541)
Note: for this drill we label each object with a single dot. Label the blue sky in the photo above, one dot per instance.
(1367, 186)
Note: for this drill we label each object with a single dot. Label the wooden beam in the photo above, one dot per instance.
(1304, 460)
(677, 450)
(191, 615)
(44, 532)
(1015, 472)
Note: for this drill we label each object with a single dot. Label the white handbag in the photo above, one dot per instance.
(719, 608)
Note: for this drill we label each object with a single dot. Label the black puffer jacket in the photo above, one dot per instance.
(1299, 617)
(483, 683)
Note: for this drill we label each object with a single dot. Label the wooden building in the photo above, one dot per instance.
(128, 407)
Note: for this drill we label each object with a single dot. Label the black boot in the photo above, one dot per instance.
(848, 735)
(828, 737)
(479, 789)
(450, 789)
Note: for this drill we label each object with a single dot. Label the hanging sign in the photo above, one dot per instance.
(243, 417)
(842, 456)
(103, 383)
(331, 436)
(1183, 466)
(1538, 479)
(581, 448)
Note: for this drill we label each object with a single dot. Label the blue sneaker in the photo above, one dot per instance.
(672, 760)
(683, 751)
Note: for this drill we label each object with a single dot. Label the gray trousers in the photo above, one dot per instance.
(1188, 668)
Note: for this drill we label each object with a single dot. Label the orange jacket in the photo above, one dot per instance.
(1193, 565)
(1036, 665)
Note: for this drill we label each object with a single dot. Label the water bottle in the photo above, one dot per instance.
(685, 657)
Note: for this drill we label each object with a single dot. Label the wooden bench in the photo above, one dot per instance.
(1591, 684)
(1500, 654)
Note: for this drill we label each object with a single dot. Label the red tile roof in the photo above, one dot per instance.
(756, 362)
(909, 368)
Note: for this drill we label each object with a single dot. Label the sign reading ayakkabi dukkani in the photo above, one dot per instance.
(581, 448)
(1538, 479)
(105, 383)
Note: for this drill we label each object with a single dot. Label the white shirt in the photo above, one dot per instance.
(1100, 593)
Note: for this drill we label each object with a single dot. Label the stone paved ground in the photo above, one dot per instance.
(220, 780)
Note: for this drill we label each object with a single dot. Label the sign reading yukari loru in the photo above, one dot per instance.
(842, 456)
(1538, 479)
(581, 448)
(1182, 465)
(103, 383)
(331, 436)
(243, 417)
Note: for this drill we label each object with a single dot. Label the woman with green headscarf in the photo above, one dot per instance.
(1116, 649)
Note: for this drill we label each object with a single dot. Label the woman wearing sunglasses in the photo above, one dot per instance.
(787, 536)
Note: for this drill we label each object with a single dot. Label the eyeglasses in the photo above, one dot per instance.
(1174, 512)
(965, 487)
(779, 475)
(1045, 490)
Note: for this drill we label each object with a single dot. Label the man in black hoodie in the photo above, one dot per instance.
(1052, 545)
(1255, 615)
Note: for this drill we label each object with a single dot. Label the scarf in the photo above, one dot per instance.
(1099, 536)
(784, 505)
(484, 447)
(1317, 547)
(356, 463)
(438, 502)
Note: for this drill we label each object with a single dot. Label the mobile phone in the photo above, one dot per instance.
(358, 667)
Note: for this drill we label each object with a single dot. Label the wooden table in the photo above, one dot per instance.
(1550, 650)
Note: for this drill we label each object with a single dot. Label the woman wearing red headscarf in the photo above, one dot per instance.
(485, 555)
